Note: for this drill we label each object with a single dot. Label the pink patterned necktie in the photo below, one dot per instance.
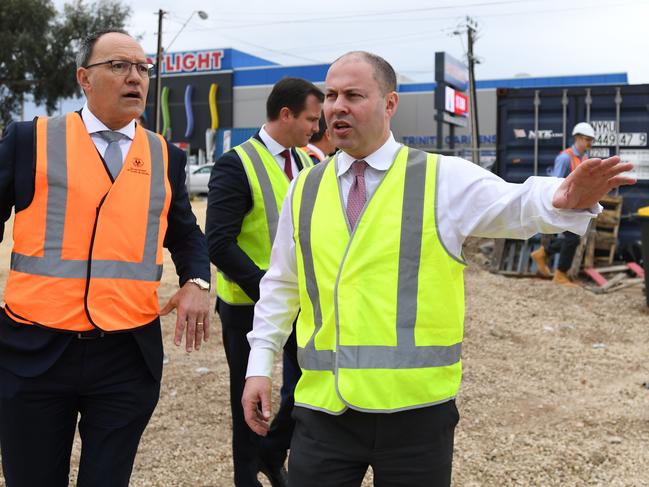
(357, 195)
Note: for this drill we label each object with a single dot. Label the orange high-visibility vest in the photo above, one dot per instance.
(88, 252)
(575, 160)
(311, 153)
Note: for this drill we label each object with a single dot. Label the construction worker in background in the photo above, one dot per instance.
(246, 189)
(320, 145)
(565, 163)
(369, 253)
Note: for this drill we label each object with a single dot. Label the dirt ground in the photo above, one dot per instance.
(555, 391)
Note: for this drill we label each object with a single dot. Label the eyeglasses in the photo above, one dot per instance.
(123, 68)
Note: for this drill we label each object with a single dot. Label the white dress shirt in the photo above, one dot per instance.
(94, 126)
(470, 202)
(275, 148)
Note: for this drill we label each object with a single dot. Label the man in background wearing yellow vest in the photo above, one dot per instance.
(246, 191)
(368, 249)
(96, 197)
(565, 163)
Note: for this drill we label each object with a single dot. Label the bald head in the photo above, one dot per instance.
(382, 70)
(360, 100)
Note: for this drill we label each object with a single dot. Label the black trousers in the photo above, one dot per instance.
(106, 382)
(566, 246)
(249, 449)
(405, 449)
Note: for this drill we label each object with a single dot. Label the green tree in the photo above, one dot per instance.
(38, 46)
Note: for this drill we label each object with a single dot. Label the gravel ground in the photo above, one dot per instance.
(553, 394)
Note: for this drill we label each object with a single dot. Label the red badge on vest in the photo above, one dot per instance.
(137, 166)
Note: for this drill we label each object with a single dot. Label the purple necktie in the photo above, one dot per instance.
(286, 154)
(357, 195)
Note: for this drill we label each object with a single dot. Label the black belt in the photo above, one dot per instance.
(91, 334)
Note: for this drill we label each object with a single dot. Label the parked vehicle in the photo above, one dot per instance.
(197, 178)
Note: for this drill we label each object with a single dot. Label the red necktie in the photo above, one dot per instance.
(286, 154)
(357, 194)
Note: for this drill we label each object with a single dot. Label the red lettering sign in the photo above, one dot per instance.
(203, 61)
(461, 104)
(216, 59)
(189, 61)
(167, 63)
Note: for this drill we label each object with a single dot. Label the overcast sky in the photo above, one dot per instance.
(535, 37)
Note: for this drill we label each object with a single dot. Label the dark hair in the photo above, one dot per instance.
(383, 72)
(88, 43)
(322, 128)
(292, 94)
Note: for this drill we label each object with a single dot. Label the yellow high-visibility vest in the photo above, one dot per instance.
(268, 187)
(382, 307)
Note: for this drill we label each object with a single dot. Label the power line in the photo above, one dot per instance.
(427, 34)
(364, 16)
(276, 51)
(396, 39)
(367, 15)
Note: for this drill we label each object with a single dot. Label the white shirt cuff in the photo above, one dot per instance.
(575, 221)
(260, 362)
(580, 224)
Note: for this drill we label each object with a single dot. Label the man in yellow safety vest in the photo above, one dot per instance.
(368, 249)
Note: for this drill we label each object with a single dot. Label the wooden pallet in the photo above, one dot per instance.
(511, 257)
(597, 247)
(602, 238)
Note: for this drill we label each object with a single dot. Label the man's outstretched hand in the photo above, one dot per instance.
(590, 182)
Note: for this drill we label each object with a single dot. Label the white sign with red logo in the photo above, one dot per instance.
(456, 102)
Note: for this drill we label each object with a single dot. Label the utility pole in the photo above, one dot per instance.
(471, 26)
(158, 74)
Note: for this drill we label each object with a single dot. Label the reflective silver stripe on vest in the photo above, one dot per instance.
(412, 222)
(267, 193)
(57, 187)
(157, 193)
(309, 192)
(406, 355)
(379, 357)
(304, 158)
(311, 359)
(51, 264)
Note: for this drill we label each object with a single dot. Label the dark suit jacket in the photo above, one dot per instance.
(229, 201)
(28, 351)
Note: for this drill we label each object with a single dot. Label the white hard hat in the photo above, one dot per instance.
(583, 128)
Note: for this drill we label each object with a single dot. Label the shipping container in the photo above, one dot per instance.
(534, 125)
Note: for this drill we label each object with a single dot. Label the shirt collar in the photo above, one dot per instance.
(381, 159)
(271, 144)
(574, 149)
(94, 125)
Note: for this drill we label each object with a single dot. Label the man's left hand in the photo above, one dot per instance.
(192, 306)
(590, 182)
